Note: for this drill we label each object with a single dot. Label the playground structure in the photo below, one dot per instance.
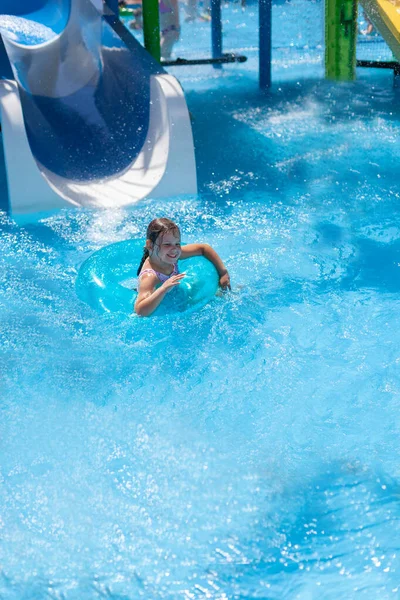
(341, 35)
(385, 16)
(91, 117)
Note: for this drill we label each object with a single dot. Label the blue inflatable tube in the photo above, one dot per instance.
(102, 281)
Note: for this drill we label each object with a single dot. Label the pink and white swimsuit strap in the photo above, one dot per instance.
(161, 276)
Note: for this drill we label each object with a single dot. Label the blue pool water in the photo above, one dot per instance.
(249, 450)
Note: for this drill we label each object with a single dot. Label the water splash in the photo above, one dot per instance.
(207, 455)
(25, 31)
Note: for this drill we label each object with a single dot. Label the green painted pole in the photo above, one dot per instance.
(340, 39)
(151, 28)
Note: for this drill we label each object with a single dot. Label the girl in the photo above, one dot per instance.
(158, 271)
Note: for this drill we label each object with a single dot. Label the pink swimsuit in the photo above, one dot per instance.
(164, 7)
(161, 276)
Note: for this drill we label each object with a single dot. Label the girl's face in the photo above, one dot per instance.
(167, 247)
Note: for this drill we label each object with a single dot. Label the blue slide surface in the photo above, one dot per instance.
(92, 129)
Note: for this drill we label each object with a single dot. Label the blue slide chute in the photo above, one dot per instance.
(101, 118)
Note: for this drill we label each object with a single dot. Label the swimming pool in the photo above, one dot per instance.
(248, 450)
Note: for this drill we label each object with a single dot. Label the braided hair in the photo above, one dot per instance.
(156, 228)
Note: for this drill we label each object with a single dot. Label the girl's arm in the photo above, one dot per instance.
(208, 252)
(149, 297)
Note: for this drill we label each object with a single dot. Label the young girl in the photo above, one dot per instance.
(158, 271)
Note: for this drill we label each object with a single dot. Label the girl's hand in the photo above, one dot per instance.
(172, 282)
(225, 282)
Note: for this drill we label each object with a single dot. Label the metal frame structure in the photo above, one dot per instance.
(378, 64)
(151, 28)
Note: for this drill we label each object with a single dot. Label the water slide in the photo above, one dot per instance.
(88, 118)
(385, 15)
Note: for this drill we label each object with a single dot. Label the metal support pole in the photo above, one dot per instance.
(113, 4)
(396, 77)
(151, 28)
(340, 39)
(216, 31)
(265, 42)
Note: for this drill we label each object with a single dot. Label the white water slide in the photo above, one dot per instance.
(88, 117)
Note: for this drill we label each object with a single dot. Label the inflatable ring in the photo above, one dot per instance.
(102, 281)
(126, 12)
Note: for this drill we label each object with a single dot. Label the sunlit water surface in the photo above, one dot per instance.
(249, 450)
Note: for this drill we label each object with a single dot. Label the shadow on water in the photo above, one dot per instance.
(373, 264)
(337, 521)
(377, 266)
